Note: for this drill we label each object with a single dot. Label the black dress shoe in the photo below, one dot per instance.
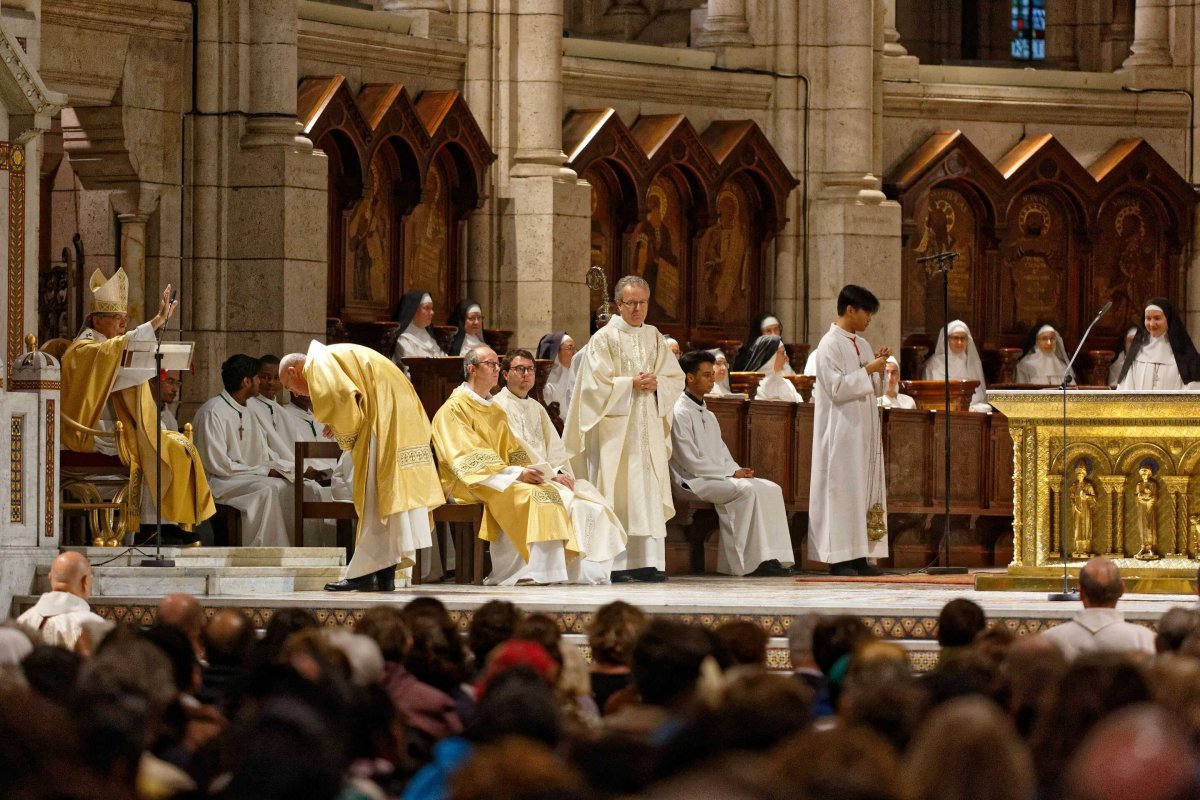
(843, 569)
(647, 575)
(622, 576)
(385, 580)
(772, 569)
(366, 583)
(865, 569)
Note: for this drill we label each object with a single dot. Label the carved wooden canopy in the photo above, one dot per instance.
(1039, 237)
(692, 213)
(403, 175)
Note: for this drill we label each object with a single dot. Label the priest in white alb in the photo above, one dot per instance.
(374, 414)
(597, 529)
(618, 431)
(243, 469)
(847, 507)
(480, 461)
(754, 537)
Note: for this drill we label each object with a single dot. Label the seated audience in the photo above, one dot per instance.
(769, 357)
(229, 644)
(598, 532)
(467, 317)
(491, 624)
(892, 397)
(745, 643)
(559, 348)
(62, 616)
(804, 666)
(1045, 358)
(184, 612)
(962, 359)
(959, 622)
(611, 636)
(754, 538)
(414, 315)
(1100, 627)
(1162, 356)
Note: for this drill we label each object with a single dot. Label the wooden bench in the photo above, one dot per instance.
(340, 510)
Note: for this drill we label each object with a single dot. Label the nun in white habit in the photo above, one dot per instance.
(1162, 357)
(963, 360)
(891, 397)
(1114, 371)
(720, 374)
(415, 315)
(560, 383)
(769, 357)
(1045, 358)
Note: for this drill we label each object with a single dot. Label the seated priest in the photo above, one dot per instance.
(762, 325)
(891, 397)
(98, 390)
(480, 461)
(373, 413)
(769, 357)
(269, 412)
(559, 348)
(243, 470)
(963, 361)
(1162, 356)
(598, 532)
(468, 318)
(1045, 359)
(414, 339)
(754, 538)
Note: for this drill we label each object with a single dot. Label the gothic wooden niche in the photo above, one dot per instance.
(1039, 238)
(402, 178)
(693, 214)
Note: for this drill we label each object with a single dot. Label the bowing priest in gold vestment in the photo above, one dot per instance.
(370, 409)
(98, 391)
(480, 461)
(618, 431)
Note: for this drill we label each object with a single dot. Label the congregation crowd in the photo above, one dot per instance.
(417, 702)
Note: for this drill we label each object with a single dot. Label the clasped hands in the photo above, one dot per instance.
(535, 477)
(646, 382)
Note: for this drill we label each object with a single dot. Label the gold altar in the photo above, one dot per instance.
(1132, 492)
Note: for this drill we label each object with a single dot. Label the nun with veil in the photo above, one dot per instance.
(963, 360)
(468, 318)
(1045, 358)
(560, 384)
(720, 374)
(415, 315)
(762, 325)
(768, 356)
(1162, 356)
(1118, 365)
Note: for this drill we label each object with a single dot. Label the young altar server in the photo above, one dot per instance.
(374, 414)
(965, 364)
(762, 325)
(891, 397)
(415, 315)
(559, 348)
(754, 537)
(468, 318)
(268, 412)
(1045, 358)
(480, 461)
(847, 516)
(769, 357)
(1114, 370)
(598, 532)
(1162, 356)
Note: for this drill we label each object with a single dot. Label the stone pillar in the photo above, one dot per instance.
(546, 231)
(725, 25)
(1151, 35)
(898, 65)
(482, 256)
(431, 18)
(785, 286)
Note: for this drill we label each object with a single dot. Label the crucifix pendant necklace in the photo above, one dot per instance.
(231, 405)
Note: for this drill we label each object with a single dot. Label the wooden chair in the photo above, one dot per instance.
(340, 510)
(460, 522)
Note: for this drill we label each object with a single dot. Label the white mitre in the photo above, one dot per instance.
(110, 295)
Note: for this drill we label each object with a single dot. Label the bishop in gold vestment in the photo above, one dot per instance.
(372, 411)
(96, 386)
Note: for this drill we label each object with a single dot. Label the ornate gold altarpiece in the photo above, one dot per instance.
(1133, 488)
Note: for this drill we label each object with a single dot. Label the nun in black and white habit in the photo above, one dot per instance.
(414, 316)
(1162, 357)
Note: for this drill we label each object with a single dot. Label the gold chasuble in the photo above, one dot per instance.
(361, 395)
(474, 445)
(89, 370)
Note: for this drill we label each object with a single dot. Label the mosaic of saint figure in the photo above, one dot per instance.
(725, 260)
(654, 255)
(367, 243)
(426, 239)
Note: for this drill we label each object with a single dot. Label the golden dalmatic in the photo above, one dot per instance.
(91, 367)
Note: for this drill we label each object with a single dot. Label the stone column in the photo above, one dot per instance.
(478, 84)
(133, 261)
(898, 65)
(1151, 35)
(431, 18)
(725, 25)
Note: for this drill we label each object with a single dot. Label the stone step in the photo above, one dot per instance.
(220, 556)
(202, 581)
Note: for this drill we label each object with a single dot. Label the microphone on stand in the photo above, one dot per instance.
(1066, 593)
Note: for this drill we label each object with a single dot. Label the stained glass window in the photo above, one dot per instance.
(1029, 30)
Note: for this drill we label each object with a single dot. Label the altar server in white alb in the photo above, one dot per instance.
(964, 362)
(847, 509)
(242, 469)
(598, 532)
(269, 413)
(1045, 359)
(1162, 357)
(754, 524)
(618, 432)
(414, 316)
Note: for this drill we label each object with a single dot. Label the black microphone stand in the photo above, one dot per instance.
(934, 264)
(158, 560)
(1066, 594)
